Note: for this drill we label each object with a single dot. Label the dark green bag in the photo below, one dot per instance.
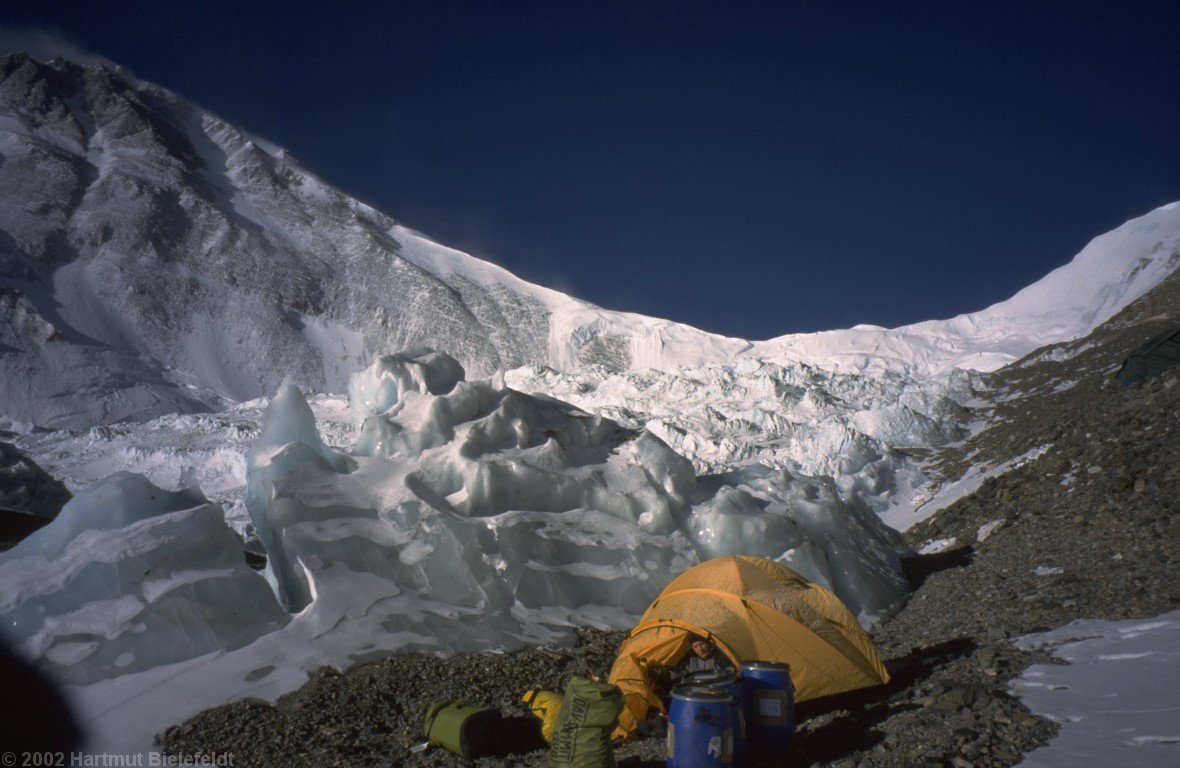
(581, 737)
(464, 729)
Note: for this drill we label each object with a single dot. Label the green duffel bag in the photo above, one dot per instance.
(581, 737)
(464, 729)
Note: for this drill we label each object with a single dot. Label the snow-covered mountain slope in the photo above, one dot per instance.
(1108, 274)
(155, 259)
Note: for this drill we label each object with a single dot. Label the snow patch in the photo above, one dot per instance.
(966, 485)
(1115, 698)
(936, 546)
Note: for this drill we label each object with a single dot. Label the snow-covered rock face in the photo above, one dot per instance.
(130, 577)
(1113, 270)
(475, 496)
(172, 261)
(154, 259)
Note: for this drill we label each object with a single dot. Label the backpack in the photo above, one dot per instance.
(464, 729)
(582, 735)
(544, 705)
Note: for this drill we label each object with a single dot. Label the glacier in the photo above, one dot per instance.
(465, 515)
(476, 495)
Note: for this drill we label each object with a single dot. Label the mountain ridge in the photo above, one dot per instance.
(210, 268)
(156, 259)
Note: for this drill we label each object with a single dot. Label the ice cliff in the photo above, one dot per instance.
(129, 577)
(466, 515)
(476, 495)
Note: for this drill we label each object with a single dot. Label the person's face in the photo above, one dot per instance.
(702, 648)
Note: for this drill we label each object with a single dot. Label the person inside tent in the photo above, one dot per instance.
(703, 656)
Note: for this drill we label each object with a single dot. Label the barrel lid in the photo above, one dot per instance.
(711, 677)
(701, 693)
(781, 666)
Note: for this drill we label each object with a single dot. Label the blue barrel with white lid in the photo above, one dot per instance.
(769, 701)
(727, 680)
(701, 727)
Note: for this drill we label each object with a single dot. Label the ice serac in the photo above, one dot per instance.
(390, 377)
(804, 522)
(26, 488)
(512, 506)
(474, 496)
(801, 421)
(129, 577)
(288, 443)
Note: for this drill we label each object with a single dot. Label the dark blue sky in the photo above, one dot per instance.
(752, 169)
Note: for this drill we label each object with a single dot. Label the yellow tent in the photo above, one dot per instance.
(752, 609)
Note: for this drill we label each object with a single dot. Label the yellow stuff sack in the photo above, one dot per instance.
(545, 705)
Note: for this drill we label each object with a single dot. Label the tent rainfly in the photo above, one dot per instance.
(1161, 352)
(753, 609)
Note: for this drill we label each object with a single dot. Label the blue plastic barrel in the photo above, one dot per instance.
(701, 727)
(727, 680)
(770, 707)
